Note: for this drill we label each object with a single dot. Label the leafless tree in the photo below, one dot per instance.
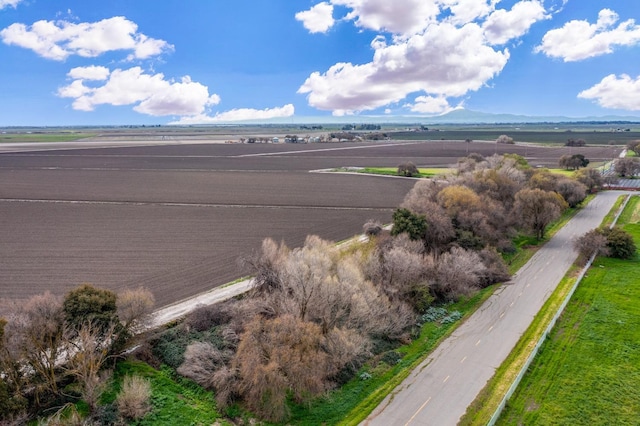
(535, 209)
(572, 191)
(591, 178)
(264, 266)
(634, 146)
(504, 139)
(592, 242)
(89, 351)
(276, 357)
(458, 273)
(423, 191)
(34, 344)
(134, 308)
(627, 167)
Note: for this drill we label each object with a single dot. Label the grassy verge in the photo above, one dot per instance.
(174, 401)
(43, 137)
(608, 219)
(487, 401)
(588, 370)
(350, 404)
(393, 171)
(485, 404)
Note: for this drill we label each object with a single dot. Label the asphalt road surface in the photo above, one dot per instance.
(439, 391)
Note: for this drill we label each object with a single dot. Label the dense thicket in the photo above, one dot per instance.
(51, 344)
(316, 313)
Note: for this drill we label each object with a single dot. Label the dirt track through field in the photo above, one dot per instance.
(177, 218)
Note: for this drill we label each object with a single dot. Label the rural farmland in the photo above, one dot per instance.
(176, 218)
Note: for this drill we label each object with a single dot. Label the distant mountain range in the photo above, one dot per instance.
(458, 116)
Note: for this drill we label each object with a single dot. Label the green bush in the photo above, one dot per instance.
(405, 221)
(620, 243)
(90, 304)
(433, 314)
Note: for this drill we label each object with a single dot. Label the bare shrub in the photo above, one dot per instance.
(458, 273)
(225, 383)
(504, 139)
(592, 242)
(88, 354)
(408, 169)
(67, 415)
(134, 308)
(544, 180)
(496, 270)
(133, 401)
(201, 361)
(398, 272)
(372, 228)
(276, 357)
(205, 317)
(346, 347)
(634, 146)
(575, 142)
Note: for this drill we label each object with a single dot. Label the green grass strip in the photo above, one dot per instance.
(487, 401)
(424, 172)
(43, 137)
(588, 371)
(175, 401)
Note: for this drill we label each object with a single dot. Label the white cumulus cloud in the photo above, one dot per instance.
(398, 16)
(502, 25)
(150, 94)
(615, 92)
(8, 3)
(434, 49)
(318, 19)
(57, 40)
(444, 60)
(239, 114)
(578, 40)
(430, 105)
(92, 72)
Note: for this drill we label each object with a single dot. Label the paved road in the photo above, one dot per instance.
(439, 391)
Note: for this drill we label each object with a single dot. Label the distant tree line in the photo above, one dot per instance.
(350, 127)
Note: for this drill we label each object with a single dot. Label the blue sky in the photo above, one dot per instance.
(196, 61)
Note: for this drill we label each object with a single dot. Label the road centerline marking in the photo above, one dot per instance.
(418, 412)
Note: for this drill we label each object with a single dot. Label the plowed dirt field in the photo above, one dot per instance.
(177, 218)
